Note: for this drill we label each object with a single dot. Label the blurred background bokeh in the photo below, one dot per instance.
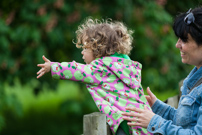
(32, 28)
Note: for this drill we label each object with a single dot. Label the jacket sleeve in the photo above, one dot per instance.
(86, 73)
(159, 125)
(164, 110)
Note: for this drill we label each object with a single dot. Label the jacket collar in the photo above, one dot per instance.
(120, 55)
(193, 77)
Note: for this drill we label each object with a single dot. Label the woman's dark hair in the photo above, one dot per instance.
(182, 27)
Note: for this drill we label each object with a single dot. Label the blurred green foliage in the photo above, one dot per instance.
(50, 112)
(32, 28)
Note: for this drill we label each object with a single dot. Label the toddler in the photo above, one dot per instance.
(113, 80)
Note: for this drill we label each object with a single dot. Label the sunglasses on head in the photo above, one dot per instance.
(189, 20)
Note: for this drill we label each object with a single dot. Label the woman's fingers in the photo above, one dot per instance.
(148, 98)
(138, 117)
(134, 121)
(134, 109)
(151, 98)
(134, 124)
(133, 114)
(129, 118)
(150, 93)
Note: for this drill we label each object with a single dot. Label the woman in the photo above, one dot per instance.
(187, 119)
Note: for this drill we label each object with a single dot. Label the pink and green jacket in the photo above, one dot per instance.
(113, 83)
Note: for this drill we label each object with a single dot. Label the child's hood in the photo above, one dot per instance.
(128, 71)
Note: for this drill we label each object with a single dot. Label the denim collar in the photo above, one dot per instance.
(193, 77)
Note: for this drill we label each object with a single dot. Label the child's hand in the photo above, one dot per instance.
(44, 67)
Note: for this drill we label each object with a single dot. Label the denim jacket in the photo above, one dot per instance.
(187, 118)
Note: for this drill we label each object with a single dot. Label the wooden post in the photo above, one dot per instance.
(173, 101)
(95, 124)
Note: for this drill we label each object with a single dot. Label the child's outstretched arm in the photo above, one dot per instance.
(87, 73)
(45, 68)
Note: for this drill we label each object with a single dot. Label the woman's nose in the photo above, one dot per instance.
(178, 44)
(82, 52)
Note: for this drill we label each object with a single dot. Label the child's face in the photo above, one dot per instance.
(87, 55)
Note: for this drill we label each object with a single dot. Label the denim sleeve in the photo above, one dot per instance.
(159, 125)
(164, 110)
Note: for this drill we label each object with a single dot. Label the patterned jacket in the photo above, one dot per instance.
(113, 83)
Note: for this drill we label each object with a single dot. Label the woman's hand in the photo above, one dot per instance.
(44, 67)
(140, 117)
(151, 98)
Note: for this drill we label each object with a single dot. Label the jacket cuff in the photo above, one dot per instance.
(55, 70)
(159, 107)
(52, 68)
(155, 124)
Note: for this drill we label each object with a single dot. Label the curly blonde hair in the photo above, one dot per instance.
(104, 37)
